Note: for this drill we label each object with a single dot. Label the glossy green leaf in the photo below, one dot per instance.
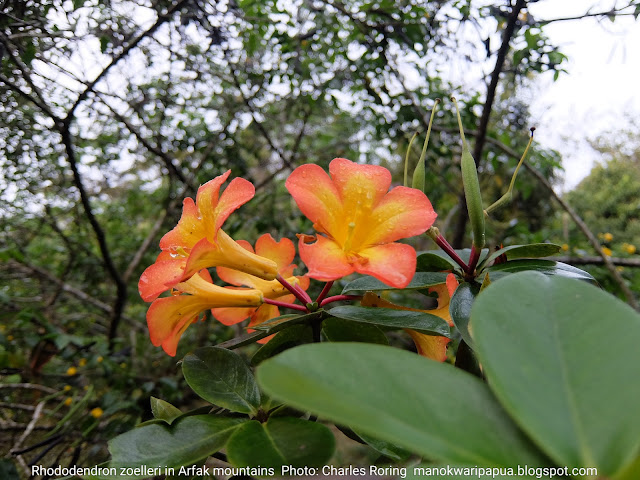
(222, 378)
(8, 470)
(285, 321)
(187, 441)
(164, 410)
(289, 338)
(385, 448)
(460, 309)
(533, 250)
(422, 322)
(339, 330)
(548, 267)
(281, 441)
(419, 280)
(427, 407)
(563, 358)
(436, 261)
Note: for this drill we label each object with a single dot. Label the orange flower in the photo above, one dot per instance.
(169, 317)
(430, 346)
(198, 242)
(358, 220)
(282, 254)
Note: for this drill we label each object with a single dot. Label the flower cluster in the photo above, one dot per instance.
(357, 220)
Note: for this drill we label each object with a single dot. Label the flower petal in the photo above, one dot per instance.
(207, 200)
(168, 318)
(402, 213)
(391, 263)
(281, 252)
(359, 183)
(231, 316)
(189, 230)
(430, 346)
(324, 259)
(160, 277)
(316, 196)
(238, 192)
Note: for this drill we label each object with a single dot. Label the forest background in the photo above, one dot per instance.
(112, 112)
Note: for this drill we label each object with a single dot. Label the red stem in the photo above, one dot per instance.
(339, 298)
(473, 259)
(285, 305)
(324, 292)
(444, 245)
(297, 291)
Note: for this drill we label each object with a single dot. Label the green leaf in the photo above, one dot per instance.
(285, 321)
(427, 407)
(533, 250)
(419, 280)
(386, 317)
(436, 261)
(8, 470)
(548, 267)
(281, 441)
(339, 330)
(563, 358)
(164, 410)
(222, 378)
(460, 309)
(289, 338)
(385, 448)
(187, 441)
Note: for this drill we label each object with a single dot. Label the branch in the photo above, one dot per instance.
(76, 292)
(162, 18)
(121, 286)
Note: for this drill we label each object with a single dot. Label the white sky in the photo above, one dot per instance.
(602, 84)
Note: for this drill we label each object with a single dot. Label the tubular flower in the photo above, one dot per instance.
(198, 242)
(169, 317)
(358, 220)
(282, 254)
(430, 346)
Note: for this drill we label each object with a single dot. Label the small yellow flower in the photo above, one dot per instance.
(620, 268)
(68, 401)
(10, 337)
(606, 251)
(565, 247)
(607, 237)
(630, 249)
(82, 362)
(96, 412)
(123, 365)
(71, 371)
(99, 359)
(86, 387)
(67, 388)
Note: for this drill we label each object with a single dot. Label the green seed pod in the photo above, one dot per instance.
(471, 189)
(418, 181)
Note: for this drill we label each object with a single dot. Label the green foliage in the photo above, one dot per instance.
(540, 339)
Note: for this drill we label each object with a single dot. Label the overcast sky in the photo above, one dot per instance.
(602, 84)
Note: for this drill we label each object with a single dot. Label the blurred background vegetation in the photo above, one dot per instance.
(112, 112)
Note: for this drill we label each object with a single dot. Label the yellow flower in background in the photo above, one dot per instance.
(565, 247)
(99, 359)
(68, 401)
(96, 412)
(71, 371)
(630, 249)
(606, 251)
(82, 362)
(67, 388)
